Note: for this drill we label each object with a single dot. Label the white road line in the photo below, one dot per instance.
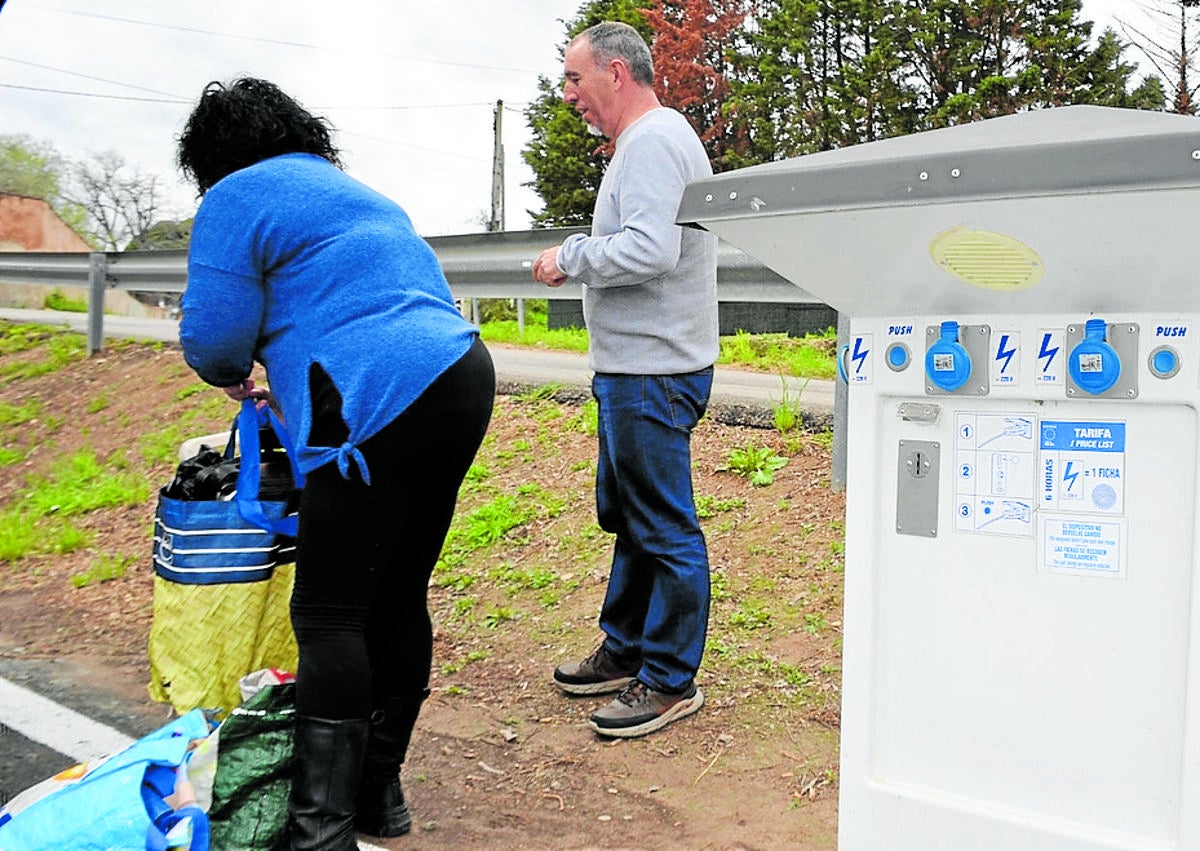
(57, 727)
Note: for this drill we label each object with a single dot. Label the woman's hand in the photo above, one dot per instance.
(248, 390)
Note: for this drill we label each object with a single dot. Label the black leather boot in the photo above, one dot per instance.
(329, 760)
(380, 807)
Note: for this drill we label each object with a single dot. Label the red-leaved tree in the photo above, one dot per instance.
(692, 43)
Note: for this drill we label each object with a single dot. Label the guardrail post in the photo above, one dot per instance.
(97, 284)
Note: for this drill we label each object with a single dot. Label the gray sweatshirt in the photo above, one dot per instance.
(649, 285)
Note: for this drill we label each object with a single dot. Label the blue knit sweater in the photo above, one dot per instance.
(292, 262)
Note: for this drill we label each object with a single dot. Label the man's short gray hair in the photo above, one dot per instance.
(614, 40)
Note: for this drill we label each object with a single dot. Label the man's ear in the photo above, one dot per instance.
(619, 73)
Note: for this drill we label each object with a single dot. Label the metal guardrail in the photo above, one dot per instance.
(484, 265)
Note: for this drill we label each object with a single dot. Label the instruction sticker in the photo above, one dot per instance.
(994, 483)
(1082, 545)
(1082, 466)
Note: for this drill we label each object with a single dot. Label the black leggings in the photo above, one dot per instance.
(365, 553)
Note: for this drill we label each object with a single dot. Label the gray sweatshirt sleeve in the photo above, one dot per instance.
(643, 241)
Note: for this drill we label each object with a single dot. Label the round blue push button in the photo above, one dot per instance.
(946, 362)
(1164, 362)
(898, 357)
(1093, 364)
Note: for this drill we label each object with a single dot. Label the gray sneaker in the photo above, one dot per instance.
(600, 673)
(640, 710)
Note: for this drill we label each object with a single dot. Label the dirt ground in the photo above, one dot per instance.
(500, 758)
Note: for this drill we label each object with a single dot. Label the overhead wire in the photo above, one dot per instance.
(284, 42)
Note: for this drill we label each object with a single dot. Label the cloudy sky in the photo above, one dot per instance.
(411, 87)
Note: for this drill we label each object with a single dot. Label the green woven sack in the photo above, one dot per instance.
(254, 773)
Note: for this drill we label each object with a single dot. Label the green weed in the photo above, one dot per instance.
(539, 394)
(586, 419)
(756, 463)
(190, 390)
(104, 569)
(15, 415)
(709, 506)
(750, 616)
(497, 616)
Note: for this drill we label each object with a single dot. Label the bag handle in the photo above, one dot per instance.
(249, 420)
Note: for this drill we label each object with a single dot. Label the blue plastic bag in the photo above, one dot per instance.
(120, 804)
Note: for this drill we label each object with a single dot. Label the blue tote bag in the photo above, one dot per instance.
(223, 541)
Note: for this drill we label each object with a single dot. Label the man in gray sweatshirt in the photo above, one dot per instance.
(650, 305)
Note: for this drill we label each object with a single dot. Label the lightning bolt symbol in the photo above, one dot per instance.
(1068, 476)
(1006, 355)
(859, 356)
(1046, 353)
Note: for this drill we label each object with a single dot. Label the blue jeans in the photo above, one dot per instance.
(656, 607)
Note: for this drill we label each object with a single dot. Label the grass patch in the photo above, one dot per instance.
(536, 333)
(8, 456)
(40, 518)
(80, 483)
(810, 356)
(56, 299)
(106, 568)
(57, 348)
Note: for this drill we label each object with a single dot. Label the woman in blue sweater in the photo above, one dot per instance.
(387, 392)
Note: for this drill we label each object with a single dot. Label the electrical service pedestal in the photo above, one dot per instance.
(1022, 635)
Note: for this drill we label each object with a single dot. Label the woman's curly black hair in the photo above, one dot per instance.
(246, 121)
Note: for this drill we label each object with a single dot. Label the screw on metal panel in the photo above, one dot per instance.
(954, 172)
(1196, 155)
(708, 198)
(1070, 392)
(982, 389)
(924, 175)
(1130, 392)
(732, 196)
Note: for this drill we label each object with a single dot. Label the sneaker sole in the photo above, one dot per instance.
(604, 687)
(682, 709)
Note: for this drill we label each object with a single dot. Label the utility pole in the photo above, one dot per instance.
(496, 222)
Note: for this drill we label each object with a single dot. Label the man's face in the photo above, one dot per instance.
(588, 88)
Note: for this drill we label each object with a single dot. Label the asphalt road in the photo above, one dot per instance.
(738, 395)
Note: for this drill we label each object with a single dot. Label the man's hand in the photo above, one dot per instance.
(545, 268)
